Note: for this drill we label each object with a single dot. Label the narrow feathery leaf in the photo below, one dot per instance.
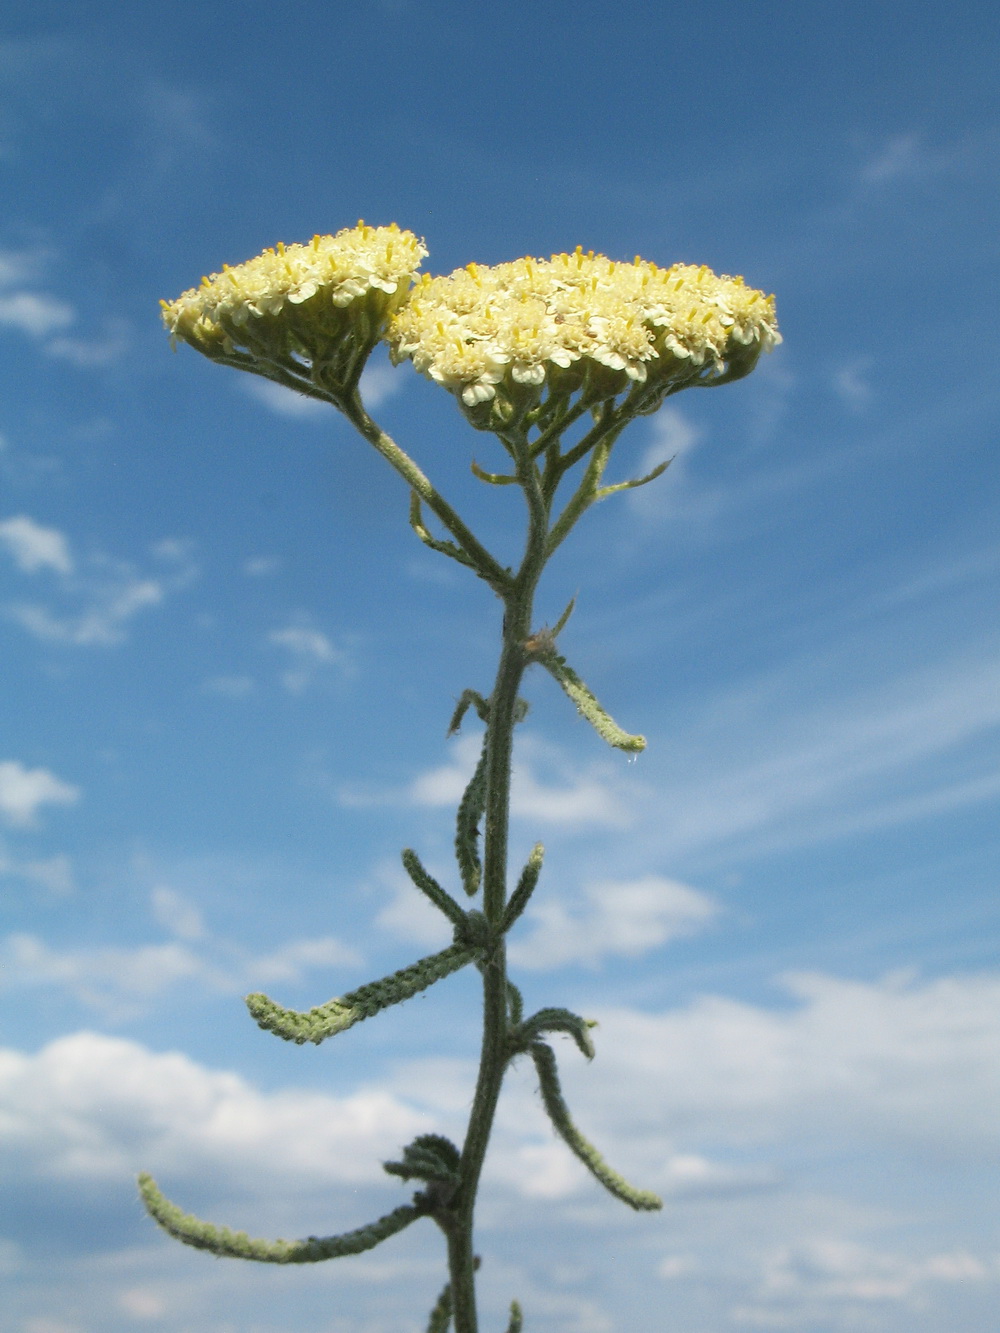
(470, 812)
(428, 885)
(441, 1314)
(337, 1015)
(587, 705)
(554, 1020)
(238, 1245)
(552, 1098)
(468, 699)
(563, 620)
(525, 888)
(429, 1157)
(516, 1318)
(515, 1004)
(636, 481)
(423, 532)
(494, 478)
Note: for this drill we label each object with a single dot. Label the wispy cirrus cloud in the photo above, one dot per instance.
(122, 982)
(30, 310)
(89, 601)
(830, 761)
(52, 874)
(308, 652)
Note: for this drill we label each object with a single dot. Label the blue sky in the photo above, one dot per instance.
(228, 668)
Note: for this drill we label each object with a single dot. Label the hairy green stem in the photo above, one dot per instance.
(484, 564)
(503, 713)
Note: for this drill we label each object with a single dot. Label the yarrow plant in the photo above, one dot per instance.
(553, 357)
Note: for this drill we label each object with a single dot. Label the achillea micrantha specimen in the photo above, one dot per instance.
(554, 357)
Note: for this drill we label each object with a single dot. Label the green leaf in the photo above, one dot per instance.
(430, 1157)
(422, 531)
(221, 1241)
(470, 811)
(428, 885)
(563, 620)
(518, 900)
(516, 1318)
(586, 704)
(338, 1015)
(636, 481)
(469, 699)
(555, 1105)
(555, 1020)
(441, 1314)
(515, 1005)
(494, 478)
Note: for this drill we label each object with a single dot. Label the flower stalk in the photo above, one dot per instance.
(529, 350)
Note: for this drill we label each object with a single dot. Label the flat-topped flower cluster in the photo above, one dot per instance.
(525, 321)
(308, 315)
(302, 285)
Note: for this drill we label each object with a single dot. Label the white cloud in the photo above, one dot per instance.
(176, 914)
(899, 1064)
(545, 1169)
(292, 961)
(852, 384)
(54, 874)
(174, 550)
(23, 791)
(113, 602)
(310, 651)
(35, 547)
(141, 1303)
(379, 382)
(673, 437)
(110, 979)
(39, 315)
(899, 156)
(408, 914)
(833, 1269)
(104, 350)
(723, 1107)
(94, 1107)
(611, 919)
(546, 786)
(260, 565)
(35, 313)
(720, 1096)
(122, 982)
(92, 604)
(18, 266)
(306, 643)
(285, 402)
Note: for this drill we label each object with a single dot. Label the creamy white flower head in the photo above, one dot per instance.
(570, 318)
(301, 300)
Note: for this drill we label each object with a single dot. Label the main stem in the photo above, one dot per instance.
(518, 604)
